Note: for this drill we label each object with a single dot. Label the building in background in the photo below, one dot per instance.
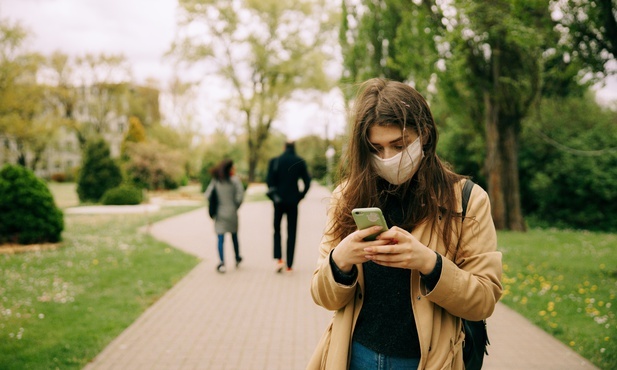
(52, 145)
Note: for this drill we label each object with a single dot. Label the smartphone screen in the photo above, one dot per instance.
(367, 217)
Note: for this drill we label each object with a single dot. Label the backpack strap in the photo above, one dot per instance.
(476, 341)
(465, 195)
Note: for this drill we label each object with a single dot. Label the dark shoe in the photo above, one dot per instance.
(238, 260)
(221, 268)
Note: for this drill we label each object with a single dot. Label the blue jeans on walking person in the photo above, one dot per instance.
(234, 239)
(363, 358)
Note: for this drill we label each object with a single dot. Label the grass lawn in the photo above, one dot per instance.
(566, 283)
(60, 308)
(64, 194)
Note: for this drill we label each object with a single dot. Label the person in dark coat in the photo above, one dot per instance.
(284, 172)
(230, 193)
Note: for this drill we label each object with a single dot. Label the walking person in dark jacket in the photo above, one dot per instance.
(284, 172)
(230, 192)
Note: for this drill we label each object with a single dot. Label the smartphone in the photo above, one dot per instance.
(367, 217)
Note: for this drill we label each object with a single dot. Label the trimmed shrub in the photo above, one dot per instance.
(154, 166)
(28, 214)
(98, 174)
(122, 195)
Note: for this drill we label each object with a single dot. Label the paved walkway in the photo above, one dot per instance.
(252, 318)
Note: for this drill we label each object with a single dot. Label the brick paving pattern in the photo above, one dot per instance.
(253, 318)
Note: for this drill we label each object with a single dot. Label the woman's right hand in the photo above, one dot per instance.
(350, 251)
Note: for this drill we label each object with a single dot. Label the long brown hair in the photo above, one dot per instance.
(429, 195)
(222, 171)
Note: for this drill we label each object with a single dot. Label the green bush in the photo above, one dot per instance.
(568, 165)
(28, 213)
(122, 195)
(98, 174)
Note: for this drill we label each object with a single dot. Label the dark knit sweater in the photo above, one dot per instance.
(386, 323)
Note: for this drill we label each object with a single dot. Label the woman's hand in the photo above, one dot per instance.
(352, 249)
(402, 250)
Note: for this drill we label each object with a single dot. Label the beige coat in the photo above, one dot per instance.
(468, 288)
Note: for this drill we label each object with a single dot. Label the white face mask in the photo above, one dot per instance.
(401, 167)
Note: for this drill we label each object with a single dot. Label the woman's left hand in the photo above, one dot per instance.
(404, 251)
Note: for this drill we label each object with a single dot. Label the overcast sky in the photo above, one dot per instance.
(143, 30)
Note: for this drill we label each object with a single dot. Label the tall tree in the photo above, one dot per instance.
(488, 61)
(104, 82)
(393, 39)
(21, 97)
(262, 50)
(89, 92)
(590, 27)
(497, 54)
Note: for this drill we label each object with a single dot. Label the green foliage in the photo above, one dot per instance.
(219, 147)
(488, 62)
(144, 105)
(589, 27)
(566, 283)
(98, 172)
(568, 164)
(28, 213)
(204, 174)
(135, 134)
(290, 44)
(154, 166)
(369, 43)
(123, 195)
(23, 114)
(313, 150)
(461, 143)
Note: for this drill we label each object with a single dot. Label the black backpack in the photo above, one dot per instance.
(213, 202)
(476, 336)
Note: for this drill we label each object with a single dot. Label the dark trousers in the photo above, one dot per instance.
(291, 210)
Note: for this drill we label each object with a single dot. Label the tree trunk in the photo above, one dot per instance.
(502, 168)
(511, 185)
(494, 164)
(252, 157)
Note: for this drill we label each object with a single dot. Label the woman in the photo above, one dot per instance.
(399, 299)
(230, 193)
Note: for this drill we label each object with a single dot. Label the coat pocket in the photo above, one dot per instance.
(455, 357)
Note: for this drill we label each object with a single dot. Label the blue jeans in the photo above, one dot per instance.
(234, 240)
(363, 358)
